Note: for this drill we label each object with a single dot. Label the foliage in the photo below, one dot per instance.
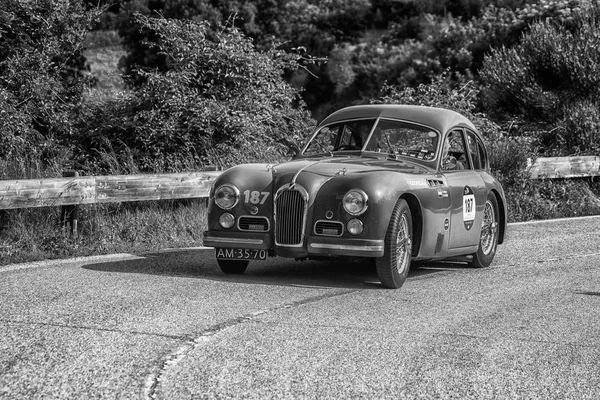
(422, 45)
(139, 40)
(222, 102)
(508, 155)
(547, 79)
(103, 229)
(41, 80)
(545, 199)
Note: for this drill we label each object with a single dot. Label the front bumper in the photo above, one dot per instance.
(316, 245)
(325, 246)
(260, 241)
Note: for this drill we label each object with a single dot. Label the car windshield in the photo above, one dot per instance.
(350, 135)
(395, 138)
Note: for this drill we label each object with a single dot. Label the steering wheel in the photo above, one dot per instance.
(347, 147)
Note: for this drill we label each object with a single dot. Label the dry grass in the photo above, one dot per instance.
(37, 234)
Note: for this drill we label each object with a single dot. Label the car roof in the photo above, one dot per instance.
(440, 119)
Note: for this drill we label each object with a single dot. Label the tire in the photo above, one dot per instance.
(488, 241)
(233, 267)
(393, 267)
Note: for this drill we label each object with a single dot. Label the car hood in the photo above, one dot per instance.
(313, 173)
(330, 167)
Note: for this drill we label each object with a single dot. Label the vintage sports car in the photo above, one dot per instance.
(391, 183)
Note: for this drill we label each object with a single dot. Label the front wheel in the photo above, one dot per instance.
(233, 267)
(488, 241)
(393, 267)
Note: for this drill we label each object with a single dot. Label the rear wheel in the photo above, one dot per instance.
(488, 241)
(233, 266)
(393, 267)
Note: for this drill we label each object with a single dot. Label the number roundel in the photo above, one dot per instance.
(468, 207)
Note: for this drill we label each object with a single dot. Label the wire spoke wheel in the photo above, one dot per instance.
(403, 245)
(488, 241)
(393, 267)
(488, 229)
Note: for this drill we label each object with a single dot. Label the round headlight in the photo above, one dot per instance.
(227, 196)
(355, 226)
(226, 220)
(355, 202)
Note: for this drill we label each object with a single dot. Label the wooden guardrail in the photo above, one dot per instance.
(70, 192)
(26, 193)
(76, 190)
(565, 167)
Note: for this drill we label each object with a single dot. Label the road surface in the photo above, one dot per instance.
(170, 325)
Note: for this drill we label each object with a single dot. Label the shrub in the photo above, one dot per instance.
(548, 78)
(221, 103)
(507, 154)
(579, 128)
(42, 81)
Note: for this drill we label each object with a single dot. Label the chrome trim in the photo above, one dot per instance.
(254, 217)
(328, 222)
(345, 247)
(237, 196)
(304, 193)
(234, 240)
(362, 192)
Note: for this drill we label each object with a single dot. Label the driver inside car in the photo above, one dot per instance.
(449, 162)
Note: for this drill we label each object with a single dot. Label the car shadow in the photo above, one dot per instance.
(200, 263)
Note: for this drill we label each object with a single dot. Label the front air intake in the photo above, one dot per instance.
(290, 215)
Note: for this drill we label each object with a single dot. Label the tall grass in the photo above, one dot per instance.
(36, 234)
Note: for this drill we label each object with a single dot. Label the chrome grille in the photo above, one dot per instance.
(329, 228)
(250, 223)
(290, 212)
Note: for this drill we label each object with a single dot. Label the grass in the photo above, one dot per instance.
(36, 234)
(552, 198)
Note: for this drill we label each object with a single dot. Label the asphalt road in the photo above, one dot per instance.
(170, 325)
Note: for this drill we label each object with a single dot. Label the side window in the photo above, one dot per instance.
(454, 154)
(476, 151)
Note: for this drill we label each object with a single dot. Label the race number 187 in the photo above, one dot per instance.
(469, 207)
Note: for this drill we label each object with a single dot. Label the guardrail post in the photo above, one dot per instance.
(68, 214)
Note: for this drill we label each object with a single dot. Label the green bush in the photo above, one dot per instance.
(221, 103)
(546, 199)
(547, 79)
(507, 154)
(579, 128)
(42, 80)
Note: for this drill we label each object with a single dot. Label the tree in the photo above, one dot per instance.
(42, 77)
(551, 80)
(221, 102)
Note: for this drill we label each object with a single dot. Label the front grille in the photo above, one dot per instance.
(290, 211)
(329, 228)
(249, 223)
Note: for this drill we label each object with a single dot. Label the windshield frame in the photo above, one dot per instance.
(374, 127)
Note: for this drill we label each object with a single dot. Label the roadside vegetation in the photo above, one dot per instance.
(138, 86)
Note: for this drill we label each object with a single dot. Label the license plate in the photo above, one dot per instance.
(240, 254)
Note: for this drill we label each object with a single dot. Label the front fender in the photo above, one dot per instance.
(248, 178)
(382, 189)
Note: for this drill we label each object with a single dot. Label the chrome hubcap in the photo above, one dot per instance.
(403, 245)
(489, 226)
